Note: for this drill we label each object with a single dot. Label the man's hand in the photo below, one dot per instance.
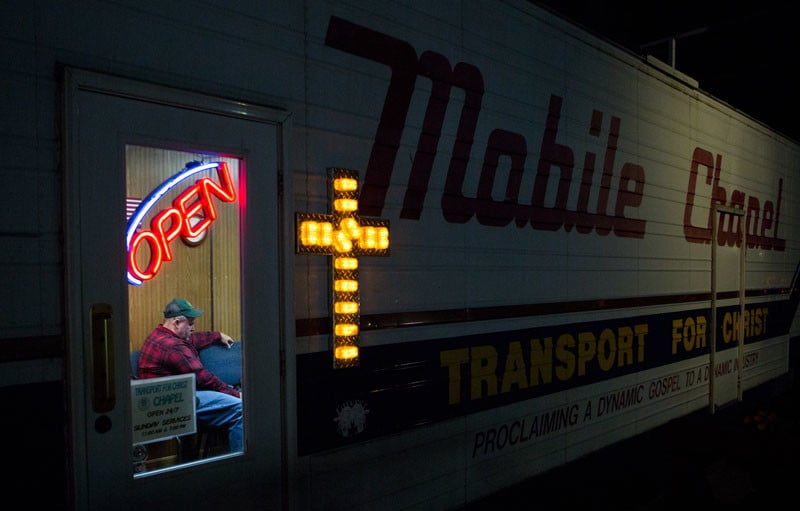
(226, 339)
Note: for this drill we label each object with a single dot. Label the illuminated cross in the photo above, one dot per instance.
(344, 236)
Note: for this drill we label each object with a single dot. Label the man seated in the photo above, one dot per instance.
(173, 348)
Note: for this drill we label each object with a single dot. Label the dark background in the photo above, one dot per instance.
(743, 53)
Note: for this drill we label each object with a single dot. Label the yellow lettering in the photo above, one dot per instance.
(453, 360)
(625, 346)
(606, 349)
(726, 328)
(515, 369)
(570, 355)
(587, 347)
(483, 368)
(541, 361)
(563, 354)
(702, 327)
(677, 325)
(640, 330)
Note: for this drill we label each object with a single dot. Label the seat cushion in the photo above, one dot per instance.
(226, 363)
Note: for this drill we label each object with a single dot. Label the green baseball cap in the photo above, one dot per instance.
(181, 307)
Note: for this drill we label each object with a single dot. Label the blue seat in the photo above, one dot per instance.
(135, 365)
(226, 363)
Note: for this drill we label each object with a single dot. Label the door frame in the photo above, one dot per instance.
(716, 212)
(78, 81)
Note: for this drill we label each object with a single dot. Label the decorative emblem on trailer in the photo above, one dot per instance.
(344, 236)
(351, 418)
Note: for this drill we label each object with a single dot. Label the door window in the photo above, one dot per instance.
(183, 230)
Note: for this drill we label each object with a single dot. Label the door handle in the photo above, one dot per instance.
(101, 332)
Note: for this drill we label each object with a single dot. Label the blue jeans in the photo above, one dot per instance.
(220, 410)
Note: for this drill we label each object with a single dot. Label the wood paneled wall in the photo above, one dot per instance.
(208, 274)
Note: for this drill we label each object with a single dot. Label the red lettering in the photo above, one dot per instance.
(195, 202)
(155, 256)
(455, 207)
(401, 58)
(436, 67)
(628, 227)
(730, 226)
(552, 154)
(167, 233)
(489, 211)
(582, 220)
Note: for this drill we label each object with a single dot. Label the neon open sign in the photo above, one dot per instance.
(190, 215)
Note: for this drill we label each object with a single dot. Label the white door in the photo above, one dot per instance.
(129, 144)
(727, 306)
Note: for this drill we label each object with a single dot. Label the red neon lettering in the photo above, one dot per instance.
(202, 193)
(194, 210)
(155, 255)
(167, 233)
(195, 201)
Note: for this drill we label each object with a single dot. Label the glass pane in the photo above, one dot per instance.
(183, 242)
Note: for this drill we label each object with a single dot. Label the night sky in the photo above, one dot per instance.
(743, 53)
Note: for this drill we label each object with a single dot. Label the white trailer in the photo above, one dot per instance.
(469, 242)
